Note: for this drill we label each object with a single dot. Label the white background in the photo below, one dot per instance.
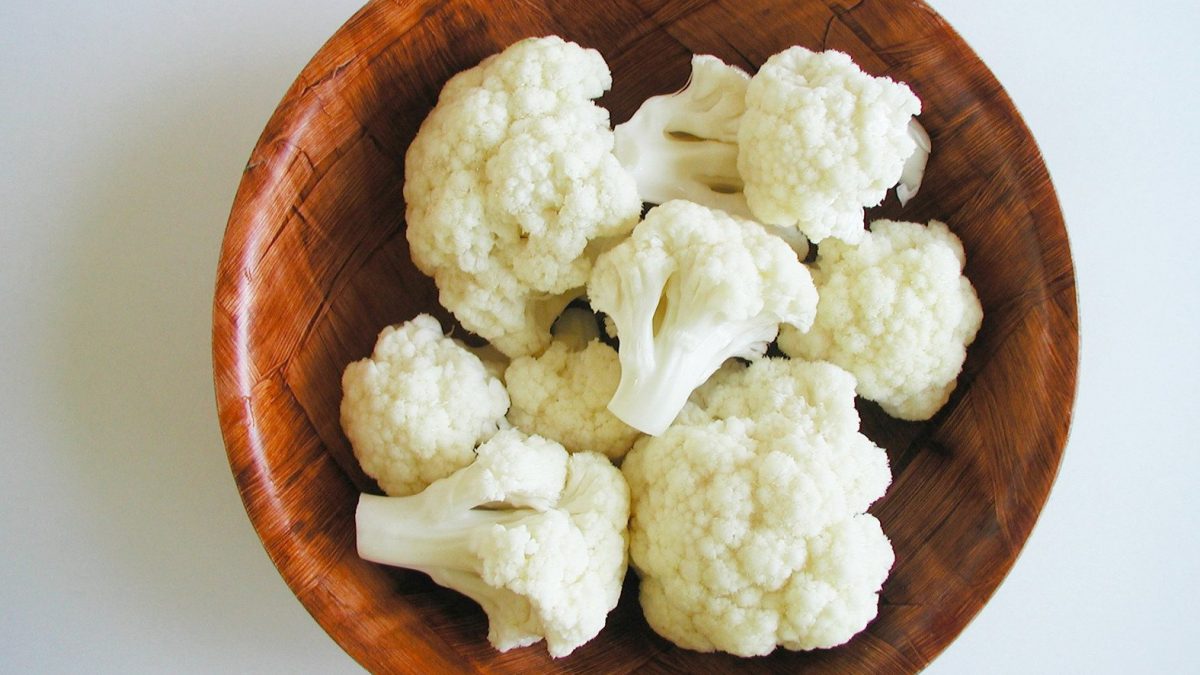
(124, 128)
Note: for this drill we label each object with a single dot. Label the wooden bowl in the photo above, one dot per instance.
(315, 263)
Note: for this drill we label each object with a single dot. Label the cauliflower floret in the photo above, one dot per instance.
(690, 288)
(415, 410)
(534, 535)
(897, 312)
(821, 139)
(688, 145)
(748, 529)
(512, 188)
(562, 394)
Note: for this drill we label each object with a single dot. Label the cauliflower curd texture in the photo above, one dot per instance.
(509, 180)
(897, 312)
(415, 410)
(748, 527)
(821, 139)
(563, 394)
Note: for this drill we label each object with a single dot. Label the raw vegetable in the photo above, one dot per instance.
(512, 190)
(805, 143)
(748, 528)
(534, 535)
(896, 311)
(820, 140)
(563, 393)
(415, 410)
(689, 289)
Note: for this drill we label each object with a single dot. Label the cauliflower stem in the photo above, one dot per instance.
(667, 367)
(532, 534)
(691, 288)
(684, 145)
(416, 533)
(429, 533)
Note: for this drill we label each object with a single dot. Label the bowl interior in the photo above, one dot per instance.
(315, 263)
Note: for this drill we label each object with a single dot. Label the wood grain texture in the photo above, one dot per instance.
(315, 262)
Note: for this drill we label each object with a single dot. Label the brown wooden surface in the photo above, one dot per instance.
(315, 262)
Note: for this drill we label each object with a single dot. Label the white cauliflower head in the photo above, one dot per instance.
(509, 180)
(415, 410)
(897, 312)
(563, 393)
(690, 288)
(748, 529)
(821, 139)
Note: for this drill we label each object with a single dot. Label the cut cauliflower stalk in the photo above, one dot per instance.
(684, 145)
(512, 189)
(562, 394)
(533, 535)
(690, 288)
(897, 312)
(821, 139)
(748, 528)
(415, 410)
